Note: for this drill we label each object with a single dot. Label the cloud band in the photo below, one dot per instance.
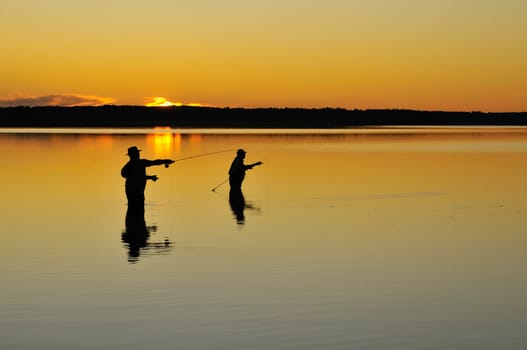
(62, 100)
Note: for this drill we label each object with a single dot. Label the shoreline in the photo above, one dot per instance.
(111, 116)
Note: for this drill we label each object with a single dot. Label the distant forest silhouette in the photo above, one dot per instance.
(214, 117)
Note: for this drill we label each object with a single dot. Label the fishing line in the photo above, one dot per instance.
(207, 154)
(203, 154)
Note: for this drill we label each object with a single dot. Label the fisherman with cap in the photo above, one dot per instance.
(135, 174)
(237, 170)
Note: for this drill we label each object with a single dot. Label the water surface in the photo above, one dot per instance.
(400, 238)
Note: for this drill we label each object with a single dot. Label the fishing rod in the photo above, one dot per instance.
(204, 154)
(221, 183)
(248, 167)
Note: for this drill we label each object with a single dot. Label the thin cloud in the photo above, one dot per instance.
(65, 100)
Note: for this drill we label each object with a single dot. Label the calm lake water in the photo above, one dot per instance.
(351, 239)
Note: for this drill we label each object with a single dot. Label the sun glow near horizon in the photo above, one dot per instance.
(163, 102)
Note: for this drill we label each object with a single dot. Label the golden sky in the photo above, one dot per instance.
(418, 54)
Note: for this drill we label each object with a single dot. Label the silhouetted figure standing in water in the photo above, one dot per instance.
(236, 177)
(237, 170)
(135, 174)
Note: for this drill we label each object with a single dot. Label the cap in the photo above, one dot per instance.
(133, 149)
(240, 151)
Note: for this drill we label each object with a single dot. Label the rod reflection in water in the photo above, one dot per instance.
(137, 234)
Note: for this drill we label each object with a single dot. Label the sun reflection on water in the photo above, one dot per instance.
(165, 142)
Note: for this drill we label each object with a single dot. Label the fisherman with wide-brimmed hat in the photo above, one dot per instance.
(135, 174)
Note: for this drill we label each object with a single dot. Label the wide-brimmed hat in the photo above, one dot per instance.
(240, 151)
(133, 150)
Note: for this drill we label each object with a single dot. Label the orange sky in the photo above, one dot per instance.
(446, 55)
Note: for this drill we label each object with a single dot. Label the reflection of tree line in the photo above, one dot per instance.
(186, 116)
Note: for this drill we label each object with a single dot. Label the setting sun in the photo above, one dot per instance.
(162, 102)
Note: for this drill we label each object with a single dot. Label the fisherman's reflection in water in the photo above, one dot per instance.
(137, 234)
(237, 203)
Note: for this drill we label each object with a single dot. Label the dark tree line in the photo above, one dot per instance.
(210, 117)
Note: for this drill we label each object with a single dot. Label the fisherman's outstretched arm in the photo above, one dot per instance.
(159, 162)
(250, 166)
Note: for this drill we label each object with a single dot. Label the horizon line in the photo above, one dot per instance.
(198, 106)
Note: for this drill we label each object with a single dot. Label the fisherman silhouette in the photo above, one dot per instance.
(135, 174)
(237, 170)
